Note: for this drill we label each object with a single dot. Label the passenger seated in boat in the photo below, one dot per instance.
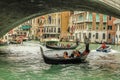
(65, 55)
(68, 45)
(72, 54)
(75, 54)
(103, 46)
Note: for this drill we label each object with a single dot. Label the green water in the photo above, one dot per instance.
(24, 62)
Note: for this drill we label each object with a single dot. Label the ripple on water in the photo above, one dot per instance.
(107, 61)
(24, 62)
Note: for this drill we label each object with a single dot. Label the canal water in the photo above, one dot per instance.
(24, 62)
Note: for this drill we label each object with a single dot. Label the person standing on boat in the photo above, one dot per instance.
(86, 42)
(77, 42)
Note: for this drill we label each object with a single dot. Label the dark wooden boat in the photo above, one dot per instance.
(14, 42)
(61, 48)
(3, 43)
(61, 60)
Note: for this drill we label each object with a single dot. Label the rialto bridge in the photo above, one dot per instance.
(14, 12)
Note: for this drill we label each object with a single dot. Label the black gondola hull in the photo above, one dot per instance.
(57, 60)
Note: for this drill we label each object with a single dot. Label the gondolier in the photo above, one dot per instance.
(86, 41)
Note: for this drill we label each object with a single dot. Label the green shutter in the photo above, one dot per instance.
(104, 18)
(97, 17)
(80, 18)
(90, 16)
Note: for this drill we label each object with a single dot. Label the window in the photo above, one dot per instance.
(103, 35)
(44, 29)
(109, 27)
(97, 17)
(109, 36)
(119, 27)
(47, 29)
(54, 29)
(97, 26)
(110, 17)
(89, 26)
(80, 18)
(96, 35)
(24, 33)
(89, 35)
(104, 26)
(5, 37)
(104, 18)
(90, 16)
(58, 30)
(59, 21)
(51, 29)
(49, 19)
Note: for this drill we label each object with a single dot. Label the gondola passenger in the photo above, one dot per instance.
(65, 55)
(68, 45)
(72, 54)
(77, 53)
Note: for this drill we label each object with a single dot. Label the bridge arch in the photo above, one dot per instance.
(14, 12)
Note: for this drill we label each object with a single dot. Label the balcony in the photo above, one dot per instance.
(78, 12)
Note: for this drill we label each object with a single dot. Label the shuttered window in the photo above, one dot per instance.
(97, 17)
(90, 16)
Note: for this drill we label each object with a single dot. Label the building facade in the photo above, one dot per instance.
(90, 24)
(52, 24)
(111, 30)
(117, 36)
(64, 25)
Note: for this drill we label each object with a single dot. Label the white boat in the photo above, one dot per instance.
(109, 52)
(107, 49)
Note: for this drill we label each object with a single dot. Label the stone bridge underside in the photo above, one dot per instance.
(14, 12)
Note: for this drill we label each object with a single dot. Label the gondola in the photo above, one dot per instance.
(61, 60)
(61, 48)
(3, 43)
(14, 42)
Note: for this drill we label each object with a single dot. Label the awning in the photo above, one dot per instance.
(117, 21)
(26, 27)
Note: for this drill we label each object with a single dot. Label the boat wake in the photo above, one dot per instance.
(109, 60)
